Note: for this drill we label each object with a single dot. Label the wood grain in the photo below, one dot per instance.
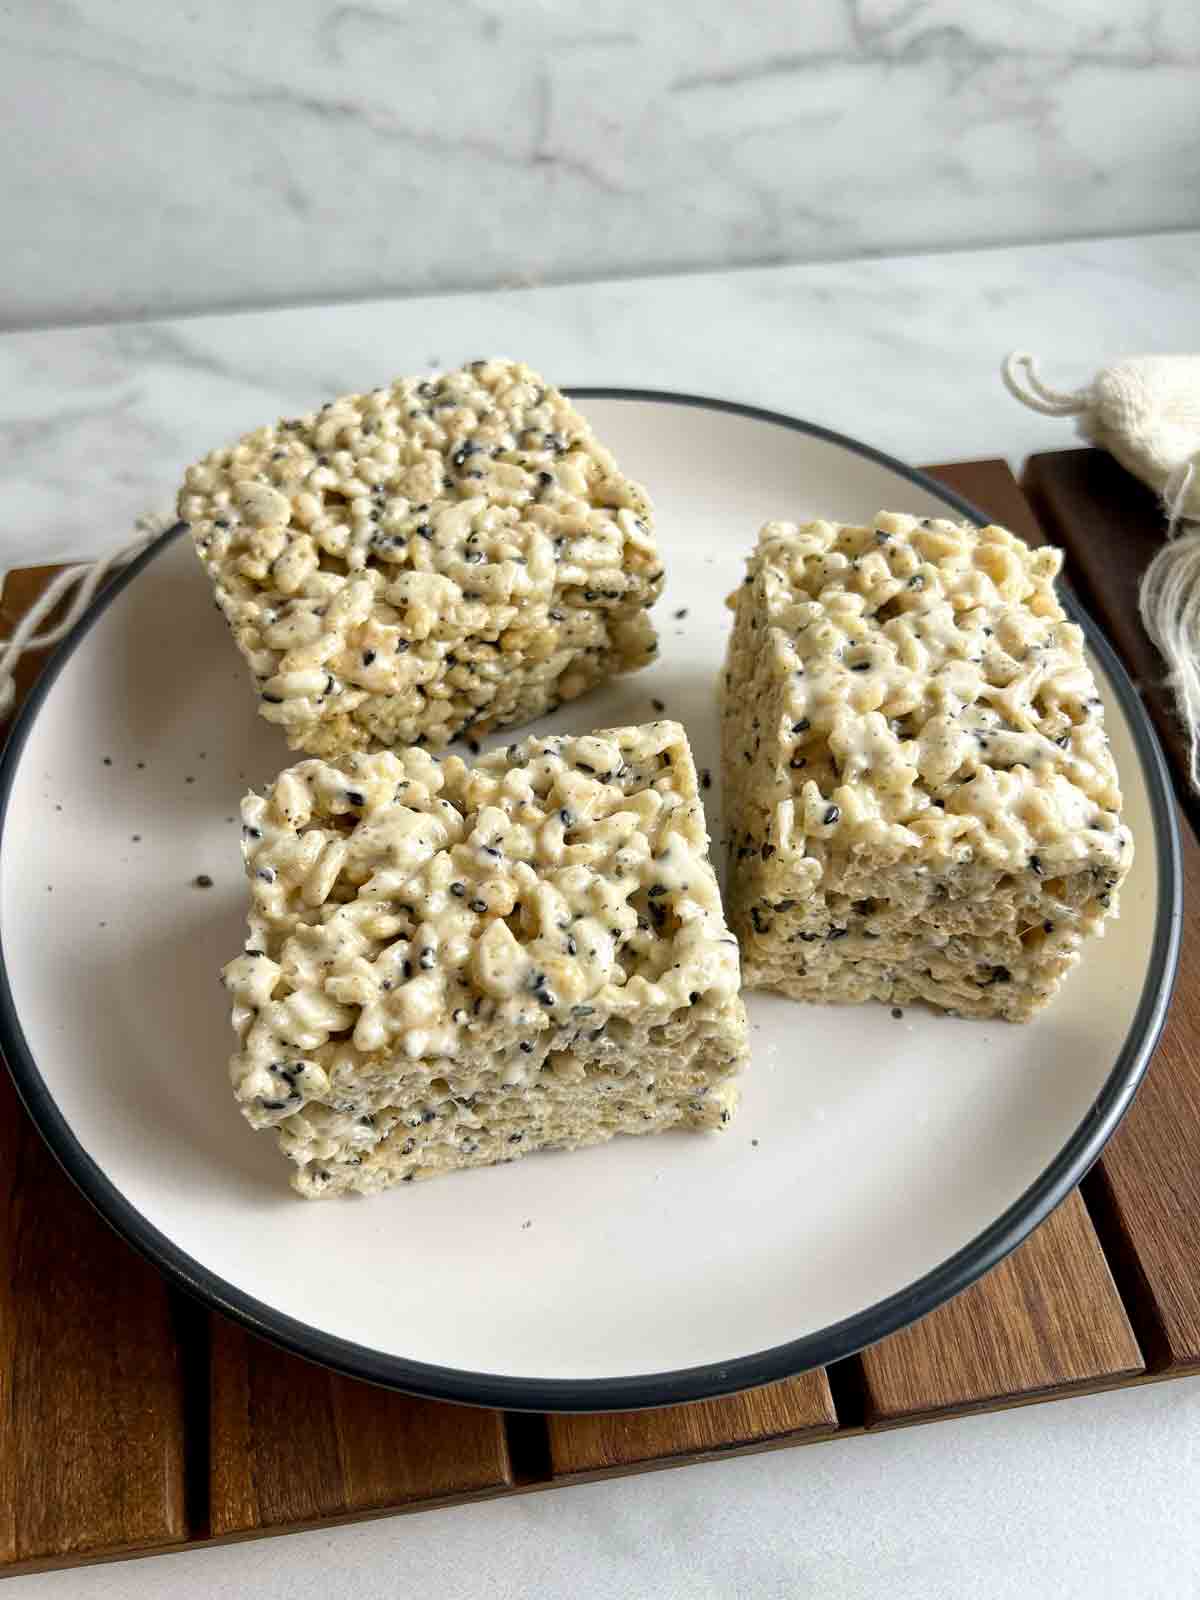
(1047, 1319)
(799, 1409)
(91, 1390)
(1111, 527)
(292, 1444)
(91, 1385)
(1145, 1192)
(991, 489)
(21, 588)
(96, 1409)
(1001, 1337)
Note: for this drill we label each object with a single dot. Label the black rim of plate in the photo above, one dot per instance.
(715, 1378)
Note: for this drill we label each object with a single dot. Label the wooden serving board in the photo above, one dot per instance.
(133, 1420)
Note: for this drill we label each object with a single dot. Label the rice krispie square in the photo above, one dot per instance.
(451, 966)
(919, 792)
(428, 561)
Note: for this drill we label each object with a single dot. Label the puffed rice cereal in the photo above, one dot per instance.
(921, 798)
(452, 966)
(432, 560)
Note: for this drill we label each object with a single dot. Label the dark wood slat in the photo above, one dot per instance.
(1001, 1338)
(992, 489)
(91, 1392)
(92, 1395)
(21, 588)
(1111, 527)
(1145, 1192)
(800, 1409)
(1048, 1319)
(293, 1444)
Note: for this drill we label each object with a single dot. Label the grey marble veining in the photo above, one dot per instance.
(97, 424)
(161, 159)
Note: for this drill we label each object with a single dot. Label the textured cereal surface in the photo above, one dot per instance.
(451, 966)
(439, 558)
(919, 791)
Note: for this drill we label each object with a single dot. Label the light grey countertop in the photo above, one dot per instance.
(1091, 1497)
(97, 424)
(170, 158)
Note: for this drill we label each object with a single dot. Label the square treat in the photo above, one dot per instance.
(920, 798)
(439, 558)
(450, 966)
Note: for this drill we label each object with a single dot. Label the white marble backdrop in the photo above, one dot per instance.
(97, 424)
(162, 158)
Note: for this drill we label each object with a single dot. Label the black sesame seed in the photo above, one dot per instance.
(659, 705)
(202, 881)
(458, 890)
(354, 798)
(526, 1047)
(832, 815)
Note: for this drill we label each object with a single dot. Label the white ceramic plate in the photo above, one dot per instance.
(876, 1167)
